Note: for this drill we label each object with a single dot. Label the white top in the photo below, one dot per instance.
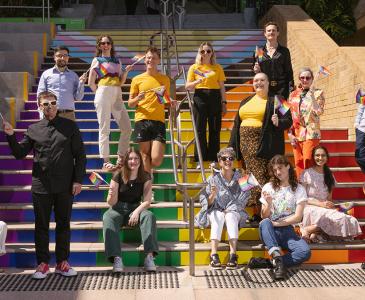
(284, 201)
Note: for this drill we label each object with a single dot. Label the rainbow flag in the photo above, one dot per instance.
(345, 207)
(281, 104)
(205, 74)
(138, 57)
(101, 71)
(259, 54)
(162, 96)
(248, 182)
(96, 179)
(360, 97)
(323, 70)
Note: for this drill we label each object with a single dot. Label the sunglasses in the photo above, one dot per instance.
(224, 158)
(62, 55)
(105, 43)
(205, 51)
(305, 77)
(45, 104)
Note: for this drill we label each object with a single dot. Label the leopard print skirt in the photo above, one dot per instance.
(249, 143)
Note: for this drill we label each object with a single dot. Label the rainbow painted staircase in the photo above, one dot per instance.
(234, 49)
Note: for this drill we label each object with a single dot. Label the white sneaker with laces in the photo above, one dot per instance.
(149, 264)
(118, 266)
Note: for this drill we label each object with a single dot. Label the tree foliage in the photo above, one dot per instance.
(27, 12)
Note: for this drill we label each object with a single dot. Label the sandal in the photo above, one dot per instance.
(215, 262)
(232, 263)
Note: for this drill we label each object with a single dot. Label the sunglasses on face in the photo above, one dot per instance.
(305, 77)
(45, 104)
(62, 55)
(105, 43)
(205, 51)
(224, 158)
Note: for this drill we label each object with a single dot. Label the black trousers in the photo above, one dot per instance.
(208, 108)
(62, 205)
(360, 149)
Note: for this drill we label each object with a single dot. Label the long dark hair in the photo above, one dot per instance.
(282, 160)
(329, 180)
(126, 171)
(98, 40)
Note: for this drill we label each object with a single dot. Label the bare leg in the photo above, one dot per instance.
(157, 153)
(214, 245)
(232, 246)
(145, 148)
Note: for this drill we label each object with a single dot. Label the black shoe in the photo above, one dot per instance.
(279, 271)
(215, 262)
(363, 266)
(259, 263)
(232, 263)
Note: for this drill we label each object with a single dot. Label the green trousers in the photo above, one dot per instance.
(116, 217)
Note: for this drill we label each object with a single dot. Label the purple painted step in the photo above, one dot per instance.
(15, 179)
(15, 197)
(15, 164)
(18, 135)
(29, 115)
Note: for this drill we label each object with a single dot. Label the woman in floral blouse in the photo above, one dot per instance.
(307, 104)
(223, 202)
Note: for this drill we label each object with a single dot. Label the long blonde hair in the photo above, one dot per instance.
(198, 59)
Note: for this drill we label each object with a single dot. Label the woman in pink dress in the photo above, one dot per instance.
(321, 220)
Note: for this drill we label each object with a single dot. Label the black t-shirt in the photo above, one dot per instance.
(131, 191)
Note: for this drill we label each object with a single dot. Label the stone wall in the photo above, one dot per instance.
(310, 46)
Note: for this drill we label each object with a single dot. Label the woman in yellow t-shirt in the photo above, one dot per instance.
(207, 78)
(105, 79)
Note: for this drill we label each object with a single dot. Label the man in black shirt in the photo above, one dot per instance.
(58, 168)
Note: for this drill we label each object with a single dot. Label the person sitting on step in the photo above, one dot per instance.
(321, 220)
(3, 230)
(283, 200)
(128, 187)
(223, 202)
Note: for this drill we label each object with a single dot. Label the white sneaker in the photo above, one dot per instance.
(41, 272)
(63, 268)
(198, 166)
(118, 266)
(149, 264)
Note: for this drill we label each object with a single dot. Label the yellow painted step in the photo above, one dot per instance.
(203, 235)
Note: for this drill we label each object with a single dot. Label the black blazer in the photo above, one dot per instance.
(271, 138)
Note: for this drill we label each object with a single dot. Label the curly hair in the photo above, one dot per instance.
(282, 160)
(198, 59)
(329, 180)
(98, 41)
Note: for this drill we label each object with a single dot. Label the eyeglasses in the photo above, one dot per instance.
(105, 43)
(62, 55)
(224, 158)
(45, 104)
(305, 77)
(205, 51)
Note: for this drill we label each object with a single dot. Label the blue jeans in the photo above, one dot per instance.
(276, 238)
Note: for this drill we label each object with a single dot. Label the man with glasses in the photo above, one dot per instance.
(58, 168)
(64, 83)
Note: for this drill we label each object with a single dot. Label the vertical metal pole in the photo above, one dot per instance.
(43, 11)
(191, 238)
(48, 11)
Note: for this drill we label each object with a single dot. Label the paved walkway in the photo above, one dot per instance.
(194, 288)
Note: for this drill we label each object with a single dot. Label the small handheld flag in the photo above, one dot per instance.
(281, 104)
(137, 58)
(96, 179)
(360, 97)
(345, 207)
(162, 96)
(323, 70)
(248, 182)
(204, 74)
(259, 54)
(101, 71)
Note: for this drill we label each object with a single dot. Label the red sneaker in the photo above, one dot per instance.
(65, 269)
(41, 272)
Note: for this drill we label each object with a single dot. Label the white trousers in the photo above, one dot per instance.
(108, 100)
(3, 230)
(217, 219)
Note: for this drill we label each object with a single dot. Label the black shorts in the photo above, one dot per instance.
(149, 130)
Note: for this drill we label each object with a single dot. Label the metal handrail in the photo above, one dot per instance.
(43, 7)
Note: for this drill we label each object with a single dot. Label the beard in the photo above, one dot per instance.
(61, 64)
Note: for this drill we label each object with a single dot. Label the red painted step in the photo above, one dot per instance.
(352, 175)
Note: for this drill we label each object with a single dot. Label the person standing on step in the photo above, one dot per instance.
(321, 220)
(283, 201)
(275, 62)
(306, 106)
(223, 202)
(129, 198)
(105, 80)
(149, 128)
(207, 77)
(360, 137)
(3, 231)
(63, 82)
(258, 134)
(58, 168)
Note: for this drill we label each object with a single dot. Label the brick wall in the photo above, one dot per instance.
(310, 46)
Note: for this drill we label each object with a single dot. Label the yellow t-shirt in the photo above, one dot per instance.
(252, 113)
(215, 74)
(149, 108)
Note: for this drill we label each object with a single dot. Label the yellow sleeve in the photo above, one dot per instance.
(221, 76)
(191, 74)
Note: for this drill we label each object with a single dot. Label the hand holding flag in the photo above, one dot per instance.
(204, 74)
(281, 104)
(248, 182)
(259, 54)
(345, 207)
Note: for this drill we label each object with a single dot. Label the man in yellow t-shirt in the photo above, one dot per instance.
(149, 128)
